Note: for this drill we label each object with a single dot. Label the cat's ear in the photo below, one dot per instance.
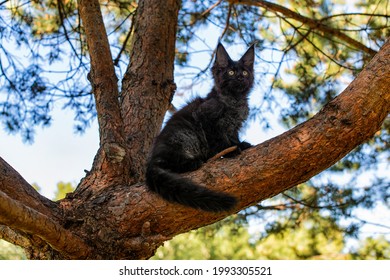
(249, 57)
(222, 57)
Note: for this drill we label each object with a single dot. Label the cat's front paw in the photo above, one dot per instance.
(244, 145)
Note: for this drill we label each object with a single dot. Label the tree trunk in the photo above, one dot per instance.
(112, 214)
(148, 85)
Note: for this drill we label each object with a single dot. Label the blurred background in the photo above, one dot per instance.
(307, 52)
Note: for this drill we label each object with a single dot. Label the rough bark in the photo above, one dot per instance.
(148, 85)
(110, 164)
(32, 221)
(111, 217)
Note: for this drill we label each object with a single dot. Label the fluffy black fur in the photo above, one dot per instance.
(200, 130)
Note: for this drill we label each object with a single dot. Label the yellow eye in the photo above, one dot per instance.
(245, 73)
(231, 73)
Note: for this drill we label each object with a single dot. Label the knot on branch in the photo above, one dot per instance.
(146, 242)
(169, 86)
(114, 152)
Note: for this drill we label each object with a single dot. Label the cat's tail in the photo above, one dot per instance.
(174, 188)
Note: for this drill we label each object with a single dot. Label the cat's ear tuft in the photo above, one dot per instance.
(249, 57)
(222, 57)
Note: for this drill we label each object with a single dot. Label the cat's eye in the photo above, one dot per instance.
(231, 73)
(245, 73)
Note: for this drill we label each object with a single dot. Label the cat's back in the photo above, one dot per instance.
(181, 122)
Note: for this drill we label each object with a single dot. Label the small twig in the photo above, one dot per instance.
(116, 60)
(227, 25)
(211, 8)
(61, 13)
(224, 152)
(370, 223)
(220, 39)
(312, 23)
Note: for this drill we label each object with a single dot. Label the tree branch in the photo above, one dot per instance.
(14, 186)
(312, 23)
(112, 150)
(22, 208)
(14, 237)
(227, 24)
(103, 78)
(18, 216)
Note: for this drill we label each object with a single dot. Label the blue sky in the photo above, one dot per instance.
(57, 154)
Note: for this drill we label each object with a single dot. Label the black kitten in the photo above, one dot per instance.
(200, 130)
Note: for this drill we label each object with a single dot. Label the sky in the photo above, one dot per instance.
(57, 153)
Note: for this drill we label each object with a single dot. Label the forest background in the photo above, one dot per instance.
(340, 214)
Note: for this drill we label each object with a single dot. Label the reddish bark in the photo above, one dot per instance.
(148, 85)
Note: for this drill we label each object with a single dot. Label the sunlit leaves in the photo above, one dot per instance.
(373, 249)
(315, 237)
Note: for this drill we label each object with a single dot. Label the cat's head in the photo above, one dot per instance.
(233, 77)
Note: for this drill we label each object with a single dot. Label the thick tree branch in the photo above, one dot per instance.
(312, 23)
(111, 155)
(23, 209)
(103, 78)
(18, 216)
(14, 237)
(14, 186)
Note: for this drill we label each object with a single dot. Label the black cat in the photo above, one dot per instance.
(200, 130)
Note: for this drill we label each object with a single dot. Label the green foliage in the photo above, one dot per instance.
(299, 235)
(9, 251)
(226, 241)
(307, 241)
(318, 238)
(62, 190)
(373, 249)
